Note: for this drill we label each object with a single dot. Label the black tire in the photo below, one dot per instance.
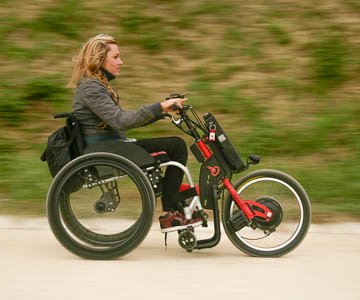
(293, 216)
(83, 188)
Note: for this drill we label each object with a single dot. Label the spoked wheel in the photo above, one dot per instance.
(291, 214)
(100, 206)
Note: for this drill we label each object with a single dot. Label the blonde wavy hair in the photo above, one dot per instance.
(88, 62)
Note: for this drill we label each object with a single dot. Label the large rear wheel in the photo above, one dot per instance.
(100, 206)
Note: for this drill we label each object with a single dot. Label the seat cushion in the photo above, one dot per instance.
(131, 151)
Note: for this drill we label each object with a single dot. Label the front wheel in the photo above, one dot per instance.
(290, 222)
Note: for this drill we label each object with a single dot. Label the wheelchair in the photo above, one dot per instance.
(101, 204)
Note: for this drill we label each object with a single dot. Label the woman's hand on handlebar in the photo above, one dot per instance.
(172, 105)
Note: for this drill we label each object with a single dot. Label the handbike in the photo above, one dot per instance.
(101, 204)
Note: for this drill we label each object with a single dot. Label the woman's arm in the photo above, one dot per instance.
(96, 97)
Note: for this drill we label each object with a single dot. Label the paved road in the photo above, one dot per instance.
(35, 266)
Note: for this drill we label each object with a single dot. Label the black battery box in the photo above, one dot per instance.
(223, 143)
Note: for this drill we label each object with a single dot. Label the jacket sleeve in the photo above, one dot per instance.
(98, 100)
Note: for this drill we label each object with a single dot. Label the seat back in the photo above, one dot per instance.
(73, 128)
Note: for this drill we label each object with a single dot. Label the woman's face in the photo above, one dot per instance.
(112, 60)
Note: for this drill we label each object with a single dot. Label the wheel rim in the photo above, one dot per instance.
(293, 214)
(78, 218)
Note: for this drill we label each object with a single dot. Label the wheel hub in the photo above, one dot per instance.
(107, 202)
(276, 218)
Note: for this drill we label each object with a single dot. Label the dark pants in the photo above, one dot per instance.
(175, 148)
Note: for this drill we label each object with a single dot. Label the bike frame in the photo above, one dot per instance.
(241, 203)
(244, 205)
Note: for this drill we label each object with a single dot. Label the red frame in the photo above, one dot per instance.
(245, 205)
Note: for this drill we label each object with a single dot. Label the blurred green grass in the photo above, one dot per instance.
(284, 84)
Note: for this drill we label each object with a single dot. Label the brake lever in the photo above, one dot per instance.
(177, 122)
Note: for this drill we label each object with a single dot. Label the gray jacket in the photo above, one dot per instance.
(93, 105)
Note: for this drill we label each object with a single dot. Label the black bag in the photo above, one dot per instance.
(222, 141)
(63, 145)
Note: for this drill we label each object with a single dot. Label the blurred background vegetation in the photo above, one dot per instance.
(282, 77)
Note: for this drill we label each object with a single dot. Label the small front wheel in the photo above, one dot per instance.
(290, 221)
(187, 240)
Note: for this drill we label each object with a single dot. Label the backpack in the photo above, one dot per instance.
(64, 144)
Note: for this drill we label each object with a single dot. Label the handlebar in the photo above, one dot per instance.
(174, 96)
(175, 107)
(191, 125)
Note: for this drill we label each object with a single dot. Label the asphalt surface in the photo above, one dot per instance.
(34, 265)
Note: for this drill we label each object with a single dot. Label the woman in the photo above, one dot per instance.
(96, 105)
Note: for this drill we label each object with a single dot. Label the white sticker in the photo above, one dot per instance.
(212, 136)
(222, 138)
